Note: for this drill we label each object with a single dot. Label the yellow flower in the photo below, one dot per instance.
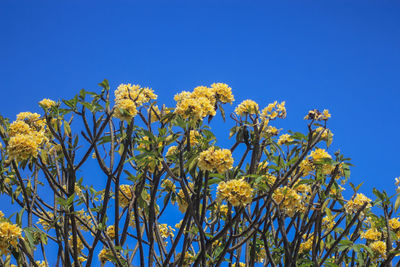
(9, 235)
(166, 231)
(317, 115)
(204, 91)
(325, 132)
(394, 223)
(134, 93)
(328, 223)
(269, 131)
(352, 206)
(181, 199)
(319, 154)
(19, 127)
(274, 110)
(22, 147)
(1, 214)
(168, 185)
(285, 139)
(111, 231)
(223, 209)
(47, 103)
(237, 192)
(195, 108)
(288, 199)
(125, 109)
(194, 137)
(306, 246)
(306, 167)
(371, 234)
(379, 249)
(125, 195)
(105, 255)
(247, 107)
(219, 160)
(222, 92)
(172, 151)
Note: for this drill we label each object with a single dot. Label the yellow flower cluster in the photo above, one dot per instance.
(125, 195)
(128, 98)
(274, 110)
(285, 139)
(172, 151)
(47, 103)
(47, 222)
(247, 107)
(317, 115)
(290, 200)
(195, 108)
(111, 231)
(168, 185)
(223, 209)
(85, 218)
(328, 223)
(166, 231)
(27, 133)
(306, 246)
(394, 225)
(325, 132)
(194, 137)
(201, 102)
(222, 92)
(379, 249)
(352, 206)
(306, 167)
(269, 131)
(9, 235)
(319, 154)
(105, 255)
(236, 192)
(371, 234)
(219, 160)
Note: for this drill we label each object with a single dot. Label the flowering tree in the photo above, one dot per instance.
(278, 202)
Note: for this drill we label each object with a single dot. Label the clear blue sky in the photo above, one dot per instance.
(339, 55)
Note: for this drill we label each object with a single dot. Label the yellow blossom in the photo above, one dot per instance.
(204, 91)
(306, 246)
(47, 103)
(9, 235)
(371, 234)
(288, 199)
(352, 206)
(195, 108)
(394, 223)
(166, 231)
(237, 192)
(105, 255)
(222, 92)
(168, 185)
(379, 249)
(285, 139)
(219, 160)
(247, 107)
(125, 109)
(274, 110)
(317, 115)
(111, 231)
(125, 195)
(319, 154)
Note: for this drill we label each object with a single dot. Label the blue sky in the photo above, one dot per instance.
(339, 55)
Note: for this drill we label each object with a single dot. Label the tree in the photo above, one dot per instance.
(271, 198)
